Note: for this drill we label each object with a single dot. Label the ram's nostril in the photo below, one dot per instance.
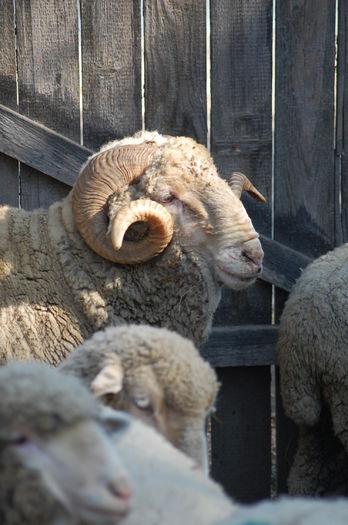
(253, 256)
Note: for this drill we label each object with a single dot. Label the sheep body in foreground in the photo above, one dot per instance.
(168, 487)
(155, 375)
(57, 465)
(148, 234)
(291, 511)
(313, 361)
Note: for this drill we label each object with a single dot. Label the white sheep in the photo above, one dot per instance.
(57, 464)
(313, 361)
(291, 511)
(155, 375)
(148, 234)
(167, 486)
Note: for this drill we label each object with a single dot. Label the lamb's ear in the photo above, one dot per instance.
(109, 380)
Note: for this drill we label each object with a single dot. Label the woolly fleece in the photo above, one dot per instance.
(313, 361)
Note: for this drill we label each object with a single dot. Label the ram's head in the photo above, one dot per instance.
(134, 195)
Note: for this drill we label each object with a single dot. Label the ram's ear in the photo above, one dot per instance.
(109, 380)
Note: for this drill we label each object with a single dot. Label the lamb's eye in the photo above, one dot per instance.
(20, 440)
(142, 402)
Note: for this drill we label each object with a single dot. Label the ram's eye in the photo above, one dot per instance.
(168, 198)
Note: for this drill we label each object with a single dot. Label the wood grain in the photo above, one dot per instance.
(304, 154)
(243, 406)
(250, 345)
(40, 148)
(342, 126)
(175, 75)
(111, 66)
(9, 178)
(48, 77)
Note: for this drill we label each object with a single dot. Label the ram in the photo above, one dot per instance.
(58, 466)
(156, 375)
(148, 234)
(313, 361)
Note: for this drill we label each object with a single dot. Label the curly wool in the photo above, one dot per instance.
(55, 289)
(188, 382)
(313, 361)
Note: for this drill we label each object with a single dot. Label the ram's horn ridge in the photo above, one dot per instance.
(240, 182)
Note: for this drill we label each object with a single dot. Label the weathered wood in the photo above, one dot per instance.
(175, 75)
(48, 81)
(243, 413)
(111, 67)
(282, 265)
(9, 183)
(241, 139)
(305, 199)
(249, 345)
(40, 147)
(241, 51)
(342, 124)
(9, 192)
(304, 155)
(286, 440)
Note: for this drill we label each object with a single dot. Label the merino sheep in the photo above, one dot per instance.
(155, 375)
(313, 361)
(57, 465)
(167, 487)
(148, 234)
(291, 511)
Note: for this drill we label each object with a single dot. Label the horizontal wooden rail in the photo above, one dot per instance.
(249, 345)
(61, 158)
(40, 147)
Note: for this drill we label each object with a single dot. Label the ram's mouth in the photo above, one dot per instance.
(235, 280)
(240, 277)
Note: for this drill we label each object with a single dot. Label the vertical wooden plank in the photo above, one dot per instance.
(304, 155)
(241, 134)
(48, 76)
(111, 66)
(175, 75)
(8, 167)
(237, 459)
(286, 442)
(342, 113)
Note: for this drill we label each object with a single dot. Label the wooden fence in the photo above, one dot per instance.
(263, 84)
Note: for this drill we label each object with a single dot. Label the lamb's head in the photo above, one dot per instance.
(53, 446)
(156, 375)
(170, 187)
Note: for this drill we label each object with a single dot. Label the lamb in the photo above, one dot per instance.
(167, 486)
(148, 235)
(57, 464)
(313, 361)
(291, 511)
(156, 375)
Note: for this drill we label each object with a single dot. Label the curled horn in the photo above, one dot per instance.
(240, 182)
(109, 172)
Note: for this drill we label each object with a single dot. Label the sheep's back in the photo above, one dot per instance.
(36, 308)
(313, 336)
